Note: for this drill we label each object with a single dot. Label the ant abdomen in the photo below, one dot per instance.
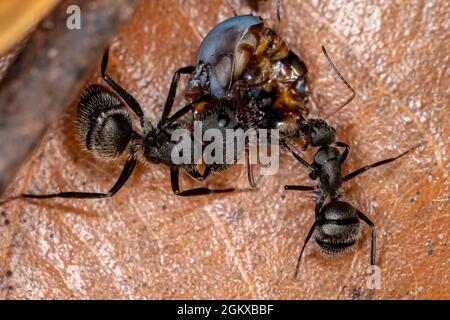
(338, 227)
(104, 125)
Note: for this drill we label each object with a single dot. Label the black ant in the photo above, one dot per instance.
(337, 222)
(105, 129)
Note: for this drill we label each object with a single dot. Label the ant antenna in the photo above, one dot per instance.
(346, 102)
(310, 233)
(278, 10)
(231, 7)
(297, 268)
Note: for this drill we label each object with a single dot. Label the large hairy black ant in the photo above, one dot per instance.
(105, 129)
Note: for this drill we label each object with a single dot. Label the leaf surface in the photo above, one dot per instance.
(147, 243)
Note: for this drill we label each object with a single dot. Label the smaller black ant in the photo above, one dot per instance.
(337, 221)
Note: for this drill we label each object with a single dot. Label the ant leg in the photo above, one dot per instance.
(174, 174)
(346, 151)
(172, 93)
(250, 177)
(126, 173)
(177, 115)
(310, 233)
(296, 156)
(278, 10)
(128, 98)
(373, 165)
(364, 218)
(253, 183)
(317, 209)
(300, 188)
(306, 188)
(335, 69)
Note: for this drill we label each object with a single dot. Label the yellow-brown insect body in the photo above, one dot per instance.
(242, 55)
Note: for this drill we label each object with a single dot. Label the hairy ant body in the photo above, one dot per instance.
(105, 129)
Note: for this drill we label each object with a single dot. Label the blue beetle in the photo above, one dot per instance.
(215, 60)
(242, 52)
(245, 77)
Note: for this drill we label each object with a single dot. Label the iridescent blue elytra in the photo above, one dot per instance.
(217, 50)
(242, 52)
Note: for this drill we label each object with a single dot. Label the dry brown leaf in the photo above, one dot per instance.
(148, 243)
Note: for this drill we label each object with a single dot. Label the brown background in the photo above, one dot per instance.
(148, 243)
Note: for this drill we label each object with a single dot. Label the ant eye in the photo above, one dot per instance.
(224, 120)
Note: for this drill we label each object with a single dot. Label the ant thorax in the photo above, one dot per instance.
(328, 160)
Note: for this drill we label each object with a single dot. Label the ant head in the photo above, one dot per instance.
(338, 227)
(104, 125)
(318, 132)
